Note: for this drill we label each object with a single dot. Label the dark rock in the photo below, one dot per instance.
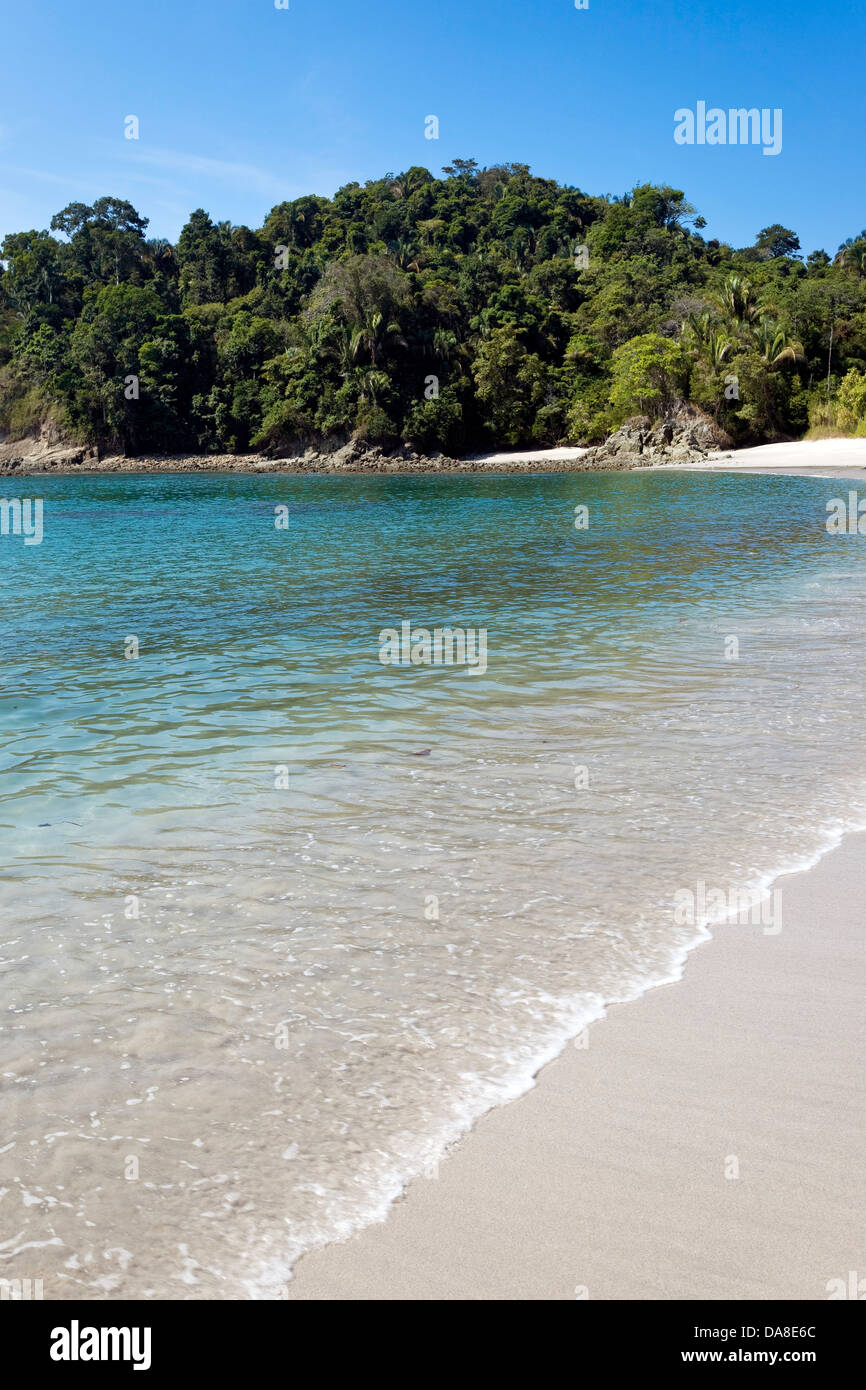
(687, 436)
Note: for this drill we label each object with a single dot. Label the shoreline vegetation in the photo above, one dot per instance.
(416, 322)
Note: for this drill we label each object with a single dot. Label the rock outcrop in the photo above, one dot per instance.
(42, 456)
(685, 437)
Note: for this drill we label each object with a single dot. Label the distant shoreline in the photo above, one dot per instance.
(69, 461)
(807, 456)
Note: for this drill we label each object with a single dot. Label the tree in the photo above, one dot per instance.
(104, 355)
(33, 277)
(851, 402)
(826, 312)
(774, 343)
(852, 255)
(361, 289)
(204, 261)
(511, 386)
(650, 375)
(776, 241)
(106, 239)
(739, 301)
(817, 261)
(461, 168)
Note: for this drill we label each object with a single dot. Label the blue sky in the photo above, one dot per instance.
(242, 105)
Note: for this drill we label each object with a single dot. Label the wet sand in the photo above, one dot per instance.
(707, 1143)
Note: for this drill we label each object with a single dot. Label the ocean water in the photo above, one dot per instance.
(280, 921)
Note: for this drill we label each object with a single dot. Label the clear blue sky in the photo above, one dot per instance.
(242, 105)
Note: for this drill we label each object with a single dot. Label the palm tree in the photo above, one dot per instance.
(739, 301)
(160, 253)
(706, 338)
(430, 229)
(710, 344)
(852, 254)
(445, 343)
(371, 383)
(696, 328)
(774, 344)
(404, 253)
(718, 348)
(370, 337)
(405, 184)
(335, 343)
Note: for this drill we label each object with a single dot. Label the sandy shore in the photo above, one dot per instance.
(813, 457)
(531, 458)
(610, 1175)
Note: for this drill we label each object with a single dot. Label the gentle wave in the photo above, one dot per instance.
(241, 1016)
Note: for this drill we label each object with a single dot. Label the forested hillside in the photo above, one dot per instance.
(484, 308)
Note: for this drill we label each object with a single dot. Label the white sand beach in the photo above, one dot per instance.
(844, 457)
(562, 454)
(615, 1176)
(811, 456)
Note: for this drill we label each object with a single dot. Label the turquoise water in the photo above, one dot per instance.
(241, 1009)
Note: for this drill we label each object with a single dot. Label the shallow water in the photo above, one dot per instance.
(238, 1016)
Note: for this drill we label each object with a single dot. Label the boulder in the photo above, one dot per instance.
(685, 436)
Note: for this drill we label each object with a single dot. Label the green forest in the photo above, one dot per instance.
(486, 308)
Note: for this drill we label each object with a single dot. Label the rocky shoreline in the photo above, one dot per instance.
(688, 437)
(369, 462)
(638, 444)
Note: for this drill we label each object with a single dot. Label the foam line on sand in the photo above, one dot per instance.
(615, 1173)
